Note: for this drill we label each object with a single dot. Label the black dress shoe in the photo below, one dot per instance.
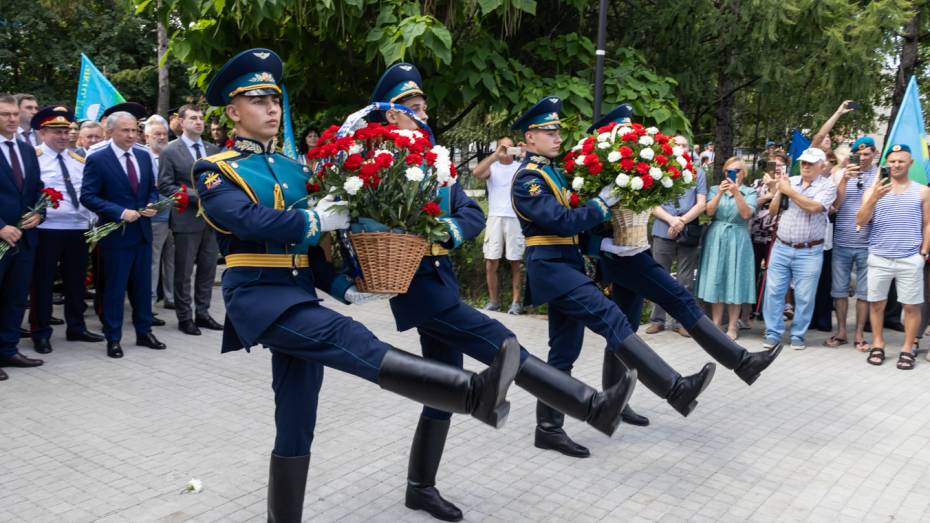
(3, 376)
(188, 327)
(169, 305)
(209, 323)
(42, 346)
(24, 333)
(427, 498)
(157, 322)
(55, 321)
(84, 335)
(631, 417)
(114, 350)
(18, 360)
(149, 340)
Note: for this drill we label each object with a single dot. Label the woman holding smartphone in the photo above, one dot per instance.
(726, 271)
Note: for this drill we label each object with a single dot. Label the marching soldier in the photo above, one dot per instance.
(61, 235)
(556, 275)
(256, 200)
(449, 328)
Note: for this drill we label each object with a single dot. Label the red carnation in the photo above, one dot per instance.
(607, 128)
(647, 181)
(595, 168)
(569, 166)
(368, 170)
(626, 164)
(625, 151)
(642, 168)
(629, 137)
(313, 187)
(666, 148)
(453, 172)
(570, 156)
(384, 160)
(431, 208)
(661, 138)
(54, 197)
(588, 147)
(402, 141)
(353, 162)
(413, 159)
(574, 200)
(661, 160)
(674, 172)
(344, 143)
(431, 158)
(182, 199)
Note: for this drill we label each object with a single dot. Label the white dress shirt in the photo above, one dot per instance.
(32, 139)
(190, 146)
(66, 216)
(121, 156)
(6, 153)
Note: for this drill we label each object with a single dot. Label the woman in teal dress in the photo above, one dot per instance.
(725, 275)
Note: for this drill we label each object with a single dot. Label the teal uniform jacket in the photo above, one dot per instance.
(257, 202)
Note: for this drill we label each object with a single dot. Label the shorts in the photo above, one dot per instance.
(503, 233)
(844, 258)
(908, 274)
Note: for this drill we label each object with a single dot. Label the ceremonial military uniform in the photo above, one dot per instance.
(555, 270)
(638, 276)
(449, 328)
(256, 201)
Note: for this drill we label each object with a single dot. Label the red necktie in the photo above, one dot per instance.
(17, 170)
(131, 171)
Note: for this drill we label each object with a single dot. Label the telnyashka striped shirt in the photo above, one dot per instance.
(844, 232)
(897, 224)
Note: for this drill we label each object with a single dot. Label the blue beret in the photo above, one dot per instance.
(621, 114)
(862, 142)
(254, 72)
(543, 116)
(398, 82)
(52, 116)
(898, 147)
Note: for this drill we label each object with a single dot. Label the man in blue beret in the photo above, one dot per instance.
(449, 328)
(556, 274)
(635, 276)
(256, 200)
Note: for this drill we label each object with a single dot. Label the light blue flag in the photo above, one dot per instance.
(95, 93)
(290, 144)
(909, 129)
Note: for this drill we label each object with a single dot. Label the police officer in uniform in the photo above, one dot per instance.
(638, 276)
(61, 236)
(555, 271)
(449, 328)
(256, 201)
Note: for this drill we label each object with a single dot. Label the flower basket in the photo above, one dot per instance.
(630, 228)
(388, 260)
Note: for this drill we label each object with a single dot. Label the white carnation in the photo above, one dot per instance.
(356, 148)
(440, 151)
(656, 173)
(622, 180)
(414, 174)
(579, 160)
(577, 183)
(636, 183)
(382, 151)
(614, 157)
(652, 131)
(352, 185)
(687, 176)
(603, 137)
(604, 145)
(646, 140)
(647, 153)
(681, 161)
(624, 130)
(667, 182)
(677, 150)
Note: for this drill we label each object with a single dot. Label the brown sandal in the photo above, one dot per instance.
(876, 356)
(862, 346)
(906, 361)
(835, 342)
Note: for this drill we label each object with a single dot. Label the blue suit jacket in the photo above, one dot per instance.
(13, 202)
(106, 191)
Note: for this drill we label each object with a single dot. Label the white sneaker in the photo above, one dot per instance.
(768, 344)
(798, 345)
(515, 309)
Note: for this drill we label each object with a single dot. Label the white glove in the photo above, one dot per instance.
(356, 297)
(333, 215)
(608, 195)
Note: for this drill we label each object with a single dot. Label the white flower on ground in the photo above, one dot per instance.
(647, 153)
(622, 180)
(656, 173)
(667, 182)
(687, 176)
(604, 145)
(414, 174)
(681, 161)
(652, 131)
(614, 156)
(194, 485)
(677, 150)
(603, 137)
(636, 183)
(352, 185)
(577, 183)
(646, 140)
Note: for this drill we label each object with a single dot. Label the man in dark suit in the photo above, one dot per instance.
(119, 185)
(194, 242)
(20, 184)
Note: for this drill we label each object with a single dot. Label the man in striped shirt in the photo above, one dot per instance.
(899, 211)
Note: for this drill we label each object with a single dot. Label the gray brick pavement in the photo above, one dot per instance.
(821, 437)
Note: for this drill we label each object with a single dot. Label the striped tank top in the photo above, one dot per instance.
(897, 224)
(844, 232)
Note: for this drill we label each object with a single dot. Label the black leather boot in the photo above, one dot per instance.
(451, 389)
(559, 390)
(659, 377)
(747, 365)
(551, 436)
(425, 454)
(611, 373)
(287, 482)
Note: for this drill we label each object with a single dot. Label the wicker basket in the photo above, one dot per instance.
(388, 260)
(630, 228)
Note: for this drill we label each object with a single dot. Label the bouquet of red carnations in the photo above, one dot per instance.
(48, 197)
(180, 199)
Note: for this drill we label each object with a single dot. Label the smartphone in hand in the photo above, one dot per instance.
(884, 173)
(770, 167)
(852, 106)
(731, 174)
(515, 151)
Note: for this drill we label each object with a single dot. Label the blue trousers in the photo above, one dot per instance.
(65, 249)
(15, 276)
(570, 313)
(459, 330)
(127, 268)
(638, 277)
(303, 340)
(803, 267)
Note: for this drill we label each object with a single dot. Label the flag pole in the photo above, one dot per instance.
(600, 53)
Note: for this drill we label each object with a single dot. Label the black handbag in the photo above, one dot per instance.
(691, 234)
